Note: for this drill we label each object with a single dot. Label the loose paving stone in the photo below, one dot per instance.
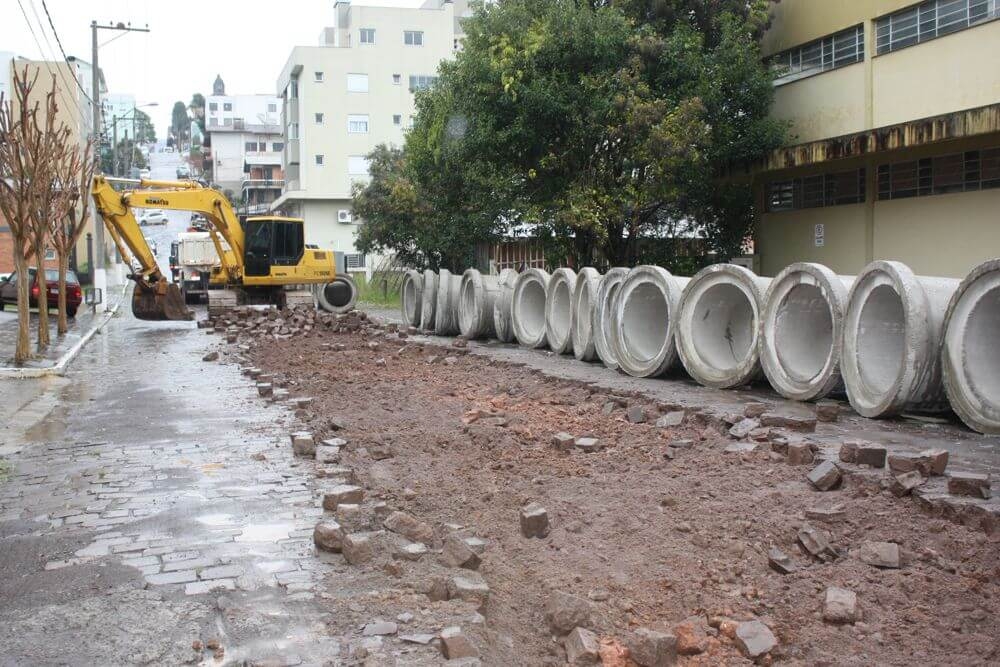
(456, 553)
(740, 447)
(353, 518)
(329, 536)
(652, 648)
(825, 476)
(265, 389)
(904, 484)
(211, 356)
(671, 419)
(969, 484)
(879, 554)
(938, 460)
(358, 548)
(303, 443)
(380, 629)
(455, 645)
(588, 444)
(565, 611)
(476, 544)
(562, 441)
(179, 577)
(901, 462)
(871, 455)
(470, 587)
(202, 587)
(754, 639)
(792, 422)
(827, 411)
(405, 524)
(849, 451)
(534, 521)
(827, 514)
(691, 636)
(422, 639)
(799, 453)
(754, 409)
(582, 647)
(342, 493)
(840, 606)
(779, 561)
(636, 414)
(743, 428)
(816, 543)
(221, 572)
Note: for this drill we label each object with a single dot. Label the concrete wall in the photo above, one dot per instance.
(789, 236)
(826, 105)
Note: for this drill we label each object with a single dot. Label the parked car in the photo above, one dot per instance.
(74, 294)
(153, 217)
(145, 173)
(183, 172)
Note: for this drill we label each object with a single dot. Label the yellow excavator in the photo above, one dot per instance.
(259, 260)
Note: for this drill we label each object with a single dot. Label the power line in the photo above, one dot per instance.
(61, 50)
(59, 71)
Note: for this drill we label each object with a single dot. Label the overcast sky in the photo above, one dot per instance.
(246, 41)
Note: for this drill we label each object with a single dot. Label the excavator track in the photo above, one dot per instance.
(221, 301)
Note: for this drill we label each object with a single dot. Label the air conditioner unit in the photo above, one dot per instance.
(344, 216)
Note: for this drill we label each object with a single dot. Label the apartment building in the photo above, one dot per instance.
(352, 92)
(244, 146)
(894, 112)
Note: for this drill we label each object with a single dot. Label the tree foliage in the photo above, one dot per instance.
(180, 124)
(591, 124)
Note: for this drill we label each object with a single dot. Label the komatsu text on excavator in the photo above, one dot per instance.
(262, 260)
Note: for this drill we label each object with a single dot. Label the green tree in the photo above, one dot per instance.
(197, 107)
(180, 124)
(145, 131)
(597, 124)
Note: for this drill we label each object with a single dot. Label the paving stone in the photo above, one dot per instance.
(470, 587)
(827, 514)
(582, 647)
(192, 564)
(636, 414)
(588, 445)
(740, 447)
(825, 476)
(671, 419)
(871, 454)
(328, 536)
(455, 644)
(754, 639)
(358, 548)
(202, 587)
(799, 453)
(816, 543)
(779, 561)
(379, 628)
(303, 443)
(476, 544)
(938, 460)
(456, 553)
(562, 441)
(652, 648)
(879, 554)
(405, 524)
(903, 484)
(422, 639)
(327, 454)
(353, 518)
(794, 422)
(179, 577)
(342, 493)
(143, 561)
(411, 551)
(840, 606)
(221, 572)
(565, 611)
(827, 411)
(754, 409)
(969, 484)
(742, 428)
(534, 521)
(265, 389)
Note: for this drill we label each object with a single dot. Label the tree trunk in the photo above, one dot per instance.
(43, 299)
(22, 352)
(62, 325)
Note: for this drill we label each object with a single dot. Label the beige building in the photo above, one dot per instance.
(352, 92)
(894, 112)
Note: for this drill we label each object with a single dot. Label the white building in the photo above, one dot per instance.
(245, 144)
(117, 106)
(5, 73)
(349, 94)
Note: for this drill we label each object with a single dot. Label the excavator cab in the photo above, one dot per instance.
(271, 241)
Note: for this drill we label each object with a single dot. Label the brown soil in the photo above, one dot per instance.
(652, 541)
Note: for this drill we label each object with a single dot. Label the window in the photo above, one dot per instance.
(213, 106)
(397, 119)
(50, 254)
(357, 124)
(288, 243)
(277, 146)
(357, 165)
(272, 108)
(957, 172)
(368, 35)
(227, 106)
(228, 122)
(319, 160)
(421, 81)
(318, 77)
(413, 38)
(928, 20)
(834, 189)
(397, 79)
(213, 122)
(319, 119)
(357, 83)
(251, 146)
(838, 50)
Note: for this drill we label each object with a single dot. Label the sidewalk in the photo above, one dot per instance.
(80, 327)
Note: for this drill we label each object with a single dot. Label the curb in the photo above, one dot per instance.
(59, 368)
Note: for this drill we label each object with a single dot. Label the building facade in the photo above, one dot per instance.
(894, 116)
(244, 146)
(352, 92)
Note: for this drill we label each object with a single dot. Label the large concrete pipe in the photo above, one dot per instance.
(478, 294)
(411, 297)
(601, 321)
(802, 327)
(446, 309)
(501, 306)
(527, 311)
(645, 316)
(970, 355)
(338, 296)
(559, 310)
(428, 300)
(892, 335)
(718, 325)
(588, 282)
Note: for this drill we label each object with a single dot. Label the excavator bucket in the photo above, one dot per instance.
(159, 301)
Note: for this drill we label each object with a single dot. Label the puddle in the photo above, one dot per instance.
(266, 532)
(215, 520)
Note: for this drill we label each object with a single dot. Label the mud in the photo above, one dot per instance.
(659, 526)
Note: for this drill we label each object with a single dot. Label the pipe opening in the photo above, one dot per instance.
(532, 309)
(645, 322)
(606, 308)
(723, 327)
(338, 293)
(881, 339)
(468, 307)
(582, 308)
(803, 332)
(410, 301)
(982, 351)
(562, 301)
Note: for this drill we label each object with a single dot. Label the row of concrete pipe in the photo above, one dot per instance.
(894, 341)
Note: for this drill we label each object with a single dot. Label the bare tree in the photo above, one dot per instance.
(18, 188)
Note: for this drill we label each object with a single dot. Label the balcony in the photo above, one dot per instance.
(263, 183)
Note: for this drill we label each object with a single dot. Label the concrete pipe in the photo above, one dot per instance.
(527, 312)
(559, 310)
(428, 300)
(338, 296)
(645, 316)
(802, 327)
(718, 326)
(478, 294)
(411, 297)
(970, 355)
(588, 282)
(446, 309)
(501, 306)
(892, 333)
(602, 316)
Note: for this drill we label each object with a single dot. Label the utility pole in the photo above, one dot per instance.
(100, 277)
(114, 146)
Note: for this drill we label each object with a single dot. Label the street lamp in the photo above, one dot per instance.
(114, 132)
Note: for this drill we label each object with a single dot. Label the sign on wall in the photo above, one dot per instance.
(819, 235)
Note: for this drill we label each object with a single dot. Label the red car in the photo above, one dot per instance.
(74, 294)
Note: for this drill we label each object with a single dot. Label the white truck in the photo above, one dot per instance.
(191, 263)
